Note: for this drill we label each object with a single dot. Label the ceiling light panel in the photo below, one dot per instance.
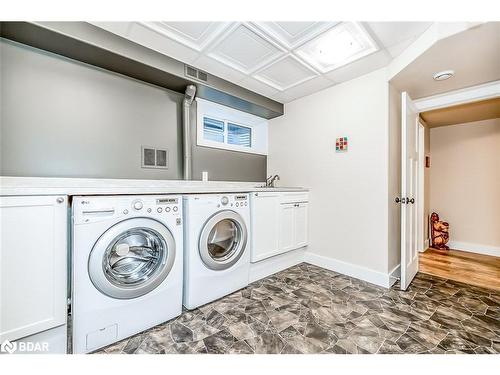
(285, 73)
(244, 48)
(196, 35)
(340, 45)
(292, 34)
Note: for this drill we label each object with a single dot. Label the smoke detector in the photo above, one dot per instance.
(444, 75)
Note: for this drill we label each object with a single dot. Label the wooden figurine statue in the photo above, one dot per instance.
(439, 232)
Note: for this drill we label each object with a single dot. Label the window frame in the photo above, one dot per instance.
(258, 128)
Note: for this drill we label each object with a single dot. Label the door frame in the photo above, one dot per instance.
(471, 94)
(421, 187)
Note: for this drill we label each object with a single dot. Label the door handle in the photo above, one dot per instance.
(405, 200)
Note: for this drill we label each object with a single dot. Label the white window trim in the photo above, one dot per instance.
(258, 126)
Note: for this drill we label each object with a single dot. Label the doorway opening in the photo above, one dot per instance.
(459, 180)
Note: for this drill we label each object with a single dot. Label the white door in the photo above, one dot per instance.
(33, 261)
(287, 227)
(301, 225)
(265, 225)
(409, 183)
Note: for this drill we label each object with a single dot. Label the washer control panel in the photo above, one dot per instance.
(233, 201)
(90, 209)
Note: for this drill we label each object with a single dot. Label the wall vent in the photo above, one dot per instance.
(202, 76)
(154, 157)
(191, 72)
(196, 74)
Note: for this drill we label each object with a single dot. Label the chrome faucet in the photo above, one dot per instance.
(270, 180)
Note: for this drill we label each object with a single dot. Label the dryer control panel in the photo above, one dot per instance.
(91, 209)
(234, 200)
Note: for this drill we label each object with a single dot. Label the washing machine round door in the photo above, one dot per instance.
(223, 240)
(132, 258)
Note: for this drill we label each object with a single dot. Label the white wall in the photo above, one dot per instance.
(349, 199)
(465, 183)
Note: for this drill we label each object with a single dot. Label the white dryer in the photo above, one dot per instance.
(216, 246)
(126, 267)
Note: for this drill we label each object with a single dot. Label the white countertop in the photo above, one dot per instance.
(99, 186)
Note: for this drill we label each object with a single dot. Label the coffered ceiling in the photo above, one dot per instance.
(280, 60)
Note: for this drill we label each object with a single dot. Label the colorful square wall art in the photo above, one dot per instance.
(341, 144)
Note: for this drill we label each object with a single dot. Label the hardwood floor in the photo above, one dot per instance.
(470, 268)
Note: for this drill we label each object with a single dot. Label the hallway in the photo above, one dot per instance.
(475, 269)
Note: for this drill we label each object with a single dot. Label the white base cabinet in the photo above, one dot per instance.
(33, 265)
(279, 223)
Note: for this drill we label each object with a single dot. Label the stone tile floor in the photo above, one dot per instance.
(307, 309)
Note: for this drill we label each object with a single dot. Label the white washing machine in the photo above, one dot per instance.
(126, 267)
(216, 246)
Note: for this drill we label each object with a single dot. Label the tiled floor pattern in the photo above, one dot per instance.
(307, 309)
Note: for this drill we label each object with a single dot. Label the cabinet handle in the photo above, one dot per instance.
(60, 200)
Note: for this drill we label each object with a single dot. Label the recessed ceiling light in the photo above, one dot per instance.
(340, 45)
(444, 75)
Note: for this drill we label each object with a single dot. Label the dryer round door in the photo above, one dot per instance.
(223, 240)
(132, 258)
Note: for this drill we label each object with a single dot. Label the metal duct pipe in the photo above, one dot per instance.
(186, 129)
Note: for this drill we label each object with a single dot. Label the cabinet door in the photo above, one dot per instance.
(33, 255)
(265, 225)
(287, 223)
(301, 224)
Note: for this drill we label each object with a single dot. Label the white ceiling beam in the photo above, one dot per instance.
(477, 93)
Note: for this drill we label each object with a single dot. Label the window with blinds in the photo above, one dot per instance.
(225, 128)
(213, 130)
(239, 135)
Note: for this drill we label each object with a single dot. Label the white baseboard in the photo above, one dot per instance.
(349, 269)
(425, 246)
(395, 274)
(277, 263)
(475, 248)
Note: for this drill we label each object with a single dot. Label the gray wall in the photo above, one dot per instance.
(65, 119)
(61, 118)
(223, 164)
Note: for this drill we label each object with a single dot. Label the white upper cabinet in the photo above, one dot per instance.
(279, 223)
(33, 265)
